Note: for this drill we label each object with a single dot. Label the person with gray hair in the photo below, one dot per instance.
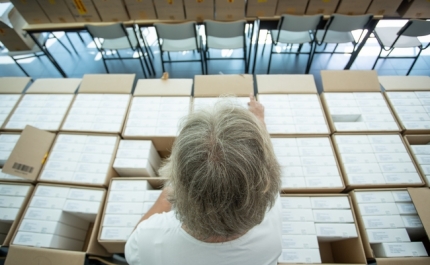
(221, 203)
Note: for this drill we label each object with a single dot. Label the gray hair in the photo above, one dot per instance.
(223, 172)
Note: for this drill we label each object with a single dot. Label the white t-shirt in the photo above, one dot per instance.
(161, 240)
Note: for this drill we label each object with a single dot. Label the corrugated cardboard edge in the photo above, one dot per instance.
(216, 85)
(405, 83)
(160, 88)
(417, 139)
(107, 83)
(108, 261)
(54, 86)
(350, 81)
(286, 84)
(13, 85)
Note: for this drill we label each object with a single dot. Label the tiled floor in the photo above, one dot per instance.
(88, 60)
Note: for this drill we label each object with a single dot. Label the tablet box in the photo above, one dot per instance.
(405, 249)
(328, 232)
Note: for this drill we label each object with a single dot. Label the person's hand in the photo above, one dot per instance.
(256, 108)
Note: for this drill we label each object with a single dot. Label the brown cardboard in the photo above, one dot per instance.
(417, 140)
(36, 256)
(143, 9)
(384, 7)
(170, 9)
(286, 84)
(29, 154)
(421, 198)
(117, 246)
(414, 9)
(107, 83)
(54, 86)
(350, 81)
(31, 11)
(353, 7)
(13, 85)
(158, 87)
(83, 10)
(229, 10)
(216, 85)
(14, 226)
(350, 187)
(12, 35)
(111, 10)
(258, 8)
(405, 83)
(326, 7)
(57, 11)
(199, 10)
(291, 7)
(349, 251)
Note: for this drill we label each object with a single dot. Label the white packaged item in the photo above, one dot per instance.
(298, 228)
(313, 141)
(121, 220)
(395, 250)
(126, 196)
(397, 167)
(55, 215)
(152, 195)
(333, 216)
(318, 161)
(323, 182)
(378, 209)
(374, 196)
(401, 196)
(13, 190)
(382, 221)
(387, 235)
(370, 168)
(78, 206)
(283, 142)
(292, 171)
(296, 203)
(421, 149)
(297, 215)
(49, 227)
(350, 126)
(52, 191)
(293, 182)
(406, 208)
(116, 233)
(328, 232)
(11, 201)
(285, 161)
(124, 208)
(393, 157)
(300, 241)
(130, 185)
(355, 149)
(85, 194)
(351, 139)
(358, 158)
(412, 221)
(127, 167)
(366, 179)
(8, 214)
(300, 256)
(47, 202)
(315, 171)
(398, 178)
(47, 241)
(335, 202)
(389, 148)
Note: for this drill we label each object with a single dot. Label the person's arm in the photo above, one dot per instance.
(256, 108)
(161, 205)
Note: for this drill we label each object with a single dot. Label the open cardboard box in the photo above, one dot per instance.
(350, 186)
(14, 225)
(49, 86)
(290, 84)
(350, 81)
(421, 199)
(117, 246)
(349, 251)
(417, 140)
(11, 86)
(394, 84)
(33, 255)
(103, 84)
(160, 88)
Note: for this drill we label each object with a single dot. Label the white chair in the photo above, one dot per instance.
(390, 38)
(295, 30)
(339, 30)
(225, 35)
(116, 37)
(178, 38)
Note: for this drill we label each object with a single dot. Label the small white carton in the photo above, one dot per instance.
(120, 220)
(376, 196)
(49, 227)
(300, 256)
(47, 241)
(395, 250)
(328, 232)
(116, 233)
(387, 235)
(47, 202)
(333, 216)
(296, 203)
(299, 241)
(297, 215)
(298, 228)
(335, 202)
(378, 209)
(406, 208)
(401, 196)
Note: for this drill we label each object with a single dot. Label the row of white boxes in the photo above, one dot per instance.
(422, 157)
(375, 159)
(59, 217)
(307, 162)
(306, 221)
(391, 222)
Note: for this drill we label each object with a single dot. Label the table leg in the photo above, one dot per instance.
(256, 44)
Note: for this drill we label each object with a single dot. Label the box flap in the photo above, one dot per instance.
(401, 83)
(216, 85)
(350, 81)
(54, 85)
(29, 153)
(38, 256)
(421, 199)
(159, 87)
(402, 261)
(108, 83)
(286, 84)
(14, 85)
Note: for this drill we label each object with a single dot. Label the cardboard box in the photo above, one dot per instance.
(291, 7)
(11, 34)
(111, 11)
(229, 10)
(326, 7)
(31, 11)
(57, 11)
(170, 9)
(353, 7)
(256, 8)
(140, 10)
(83, 10)
(412, 142)
(414, 9)
(384, 7)
(199, 10)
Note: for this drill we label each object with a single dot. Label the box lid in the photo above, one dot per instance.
(286, 84)
(159, 87)
(216, 85)
(29, 153)
(421, 199)
(107, 83)
(401, 83)
(350, 81)
(54, 85)
(14, 85)
(35, 256)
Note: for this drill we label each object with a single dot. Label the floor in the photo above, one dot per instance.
(88, 60)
